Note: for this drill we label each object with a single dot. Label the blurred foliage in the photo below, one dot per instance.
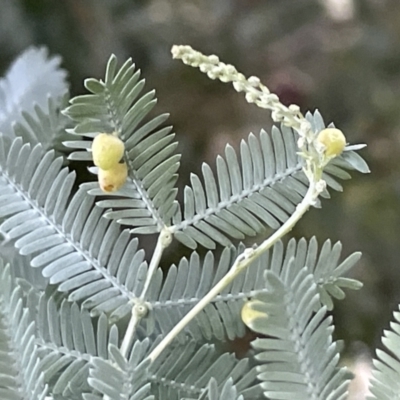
(345, 61)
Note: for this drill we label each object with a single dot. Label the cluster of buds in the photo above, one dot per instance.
(255, 92)
(317, 149)
(108, 151)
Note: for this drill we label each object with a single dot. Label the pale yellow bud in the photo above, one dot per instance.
(333, 140)
(112, 179)
(107, 150)
(248, 314)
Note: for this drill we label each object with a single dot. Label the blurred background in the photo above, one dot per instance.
(340, 56)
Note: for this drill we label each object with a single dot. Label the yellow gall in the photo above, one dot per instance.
(248, 314)
(107, 150)
(112, 179)
(333, 140)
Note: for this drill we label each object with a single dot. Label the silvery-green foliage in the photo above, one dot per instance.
(298, 358)
(21, 376)
(146, 202)
(385, 382)
(184, 371)
(227, 392)
(121, 379)
(262, 191)
(94, 270)
(31, 80)
(83, 253)
(21, 268)
(184, 285)
(45, 125)
(187, 370)
(68, 341)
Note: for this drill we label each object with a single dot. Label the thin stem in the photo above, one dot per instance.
(240, 264)
(130, 332)
(139, 309)
(164, 240)
(228, 278)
